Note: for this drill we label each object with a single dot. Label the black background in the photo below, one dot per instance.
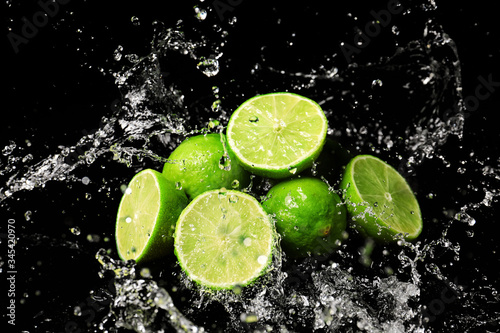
(54, 91)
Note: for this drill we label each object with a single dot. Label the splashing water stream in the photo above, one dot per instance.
(404, 287)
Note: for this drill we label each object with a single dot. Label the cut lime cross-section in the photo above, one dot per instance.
(277, 135)
(380, 201)
(224, 239)
(146, 217)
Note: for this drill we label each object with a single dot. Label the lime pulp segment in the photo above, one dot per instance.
(277, 134)
(223, 239)
(137, 215)
(388, 195)
(146, 216)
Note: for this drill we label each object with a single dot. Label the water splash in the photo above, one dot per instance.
(140, 304)
(353, 289)
(149, 110)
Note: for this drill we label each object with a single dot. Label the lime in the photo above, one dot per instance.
(309, 216)
(277, 135)
(380, 201)
(224, 239)
(146, 217)
(204, 162)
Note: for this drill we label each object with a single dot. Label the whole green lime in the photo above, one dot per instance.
(309, 216)
(204, 162)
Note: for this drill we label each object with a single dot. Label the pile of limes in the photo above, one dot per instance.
(223, 236)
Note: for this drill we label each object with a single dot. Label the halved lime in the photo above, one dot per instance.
(146, 217)
(380, 201)
(277, 135)
(224, 239)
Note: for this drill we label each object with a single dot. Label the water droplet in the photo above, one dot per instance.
(225, 162)
(135, 20)
(247, 241)
(7, 150)
(235, 183)
(128, 219)
(377, 83)
(209, 67)
(293, 171)
(253, 119)
(85, 180)
(93, 238)
(233, 198)
(233, 20)
(145, 272)
(249, 318)
(222, 192)
(27, 158)
(216, 105)
(27, 215)
(213, 123)
(262, 259)
(178, 185)
(117, 54)
(237, 289)
(200, 13)
(88, 196)
(75, 230)
(77, 311)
